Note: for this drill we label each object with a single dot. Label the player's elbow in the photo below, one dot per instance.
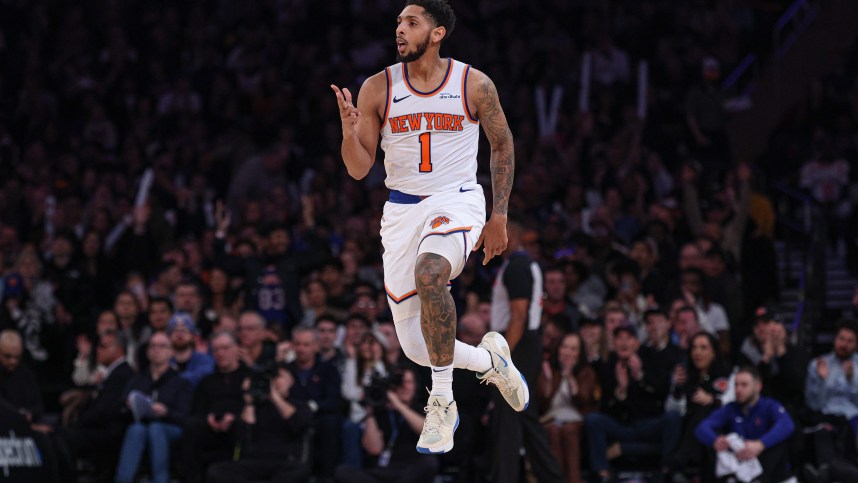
(358, 173)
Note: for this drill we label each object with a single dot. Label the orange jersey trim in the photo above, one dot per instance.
(465, 95)
(448, 232)
(403, 297)
(387, 98)
(433, 91)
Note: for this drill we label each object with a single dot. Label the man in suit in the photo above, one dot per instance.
(98, 430)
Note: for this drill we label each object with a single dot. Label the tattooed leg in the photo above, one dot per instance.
(438, 311)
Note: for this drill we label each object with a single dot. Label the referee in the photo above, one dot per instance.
(516, 313)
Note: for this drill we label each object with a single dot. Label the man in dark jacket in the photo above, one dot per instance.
(97, 432)
(160, 401)
(19, 389)
(634, 387)
(209, 432)
(768, 349)
(318, 384)
(271, 431)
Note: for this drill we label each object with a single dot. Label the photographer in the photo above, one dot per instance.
(271, 433)
(391, 433)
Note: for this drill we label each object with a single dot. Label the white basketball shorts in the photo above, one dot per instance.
(446, 223)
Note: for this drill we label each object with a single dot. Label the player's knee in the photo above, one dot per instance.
(432, 272)
(417, 353)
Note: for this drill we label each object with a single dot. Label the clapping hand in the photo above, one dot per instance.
(822, 368)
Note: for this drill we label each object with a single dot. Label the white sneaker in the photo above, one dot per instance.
(503, 373)
(442, 419)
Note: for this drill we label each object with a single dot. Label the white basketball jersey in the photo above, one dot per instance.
(430, 139)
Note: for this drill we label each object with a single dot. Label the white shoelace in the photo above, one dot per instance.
(434, 419)
(500, 380)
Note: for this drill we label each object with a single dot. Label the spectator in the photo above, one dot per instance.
(831, 390)
(362, 366)
(97, 431)
(190, 301)
(706, 116)
(568, 390)
(657, 327)
(127, 312)
(557, 300)
(19, 389)
(315, 303)
(634, 391)
(221, 298)
(254, 348)
(365, 305)
(326, 328)
(594, 340)
(700, 385)
(272, 434)
(644, 252)
(209, 433)
(724, 288)
(713, 318)
(356, 326)
(392, 430)
(554, 328)
(769, 350)
(614, 317)
(761, 424)
(190, 364)
(685, 324)
(167, 398)
(318, 385)
(86, 369)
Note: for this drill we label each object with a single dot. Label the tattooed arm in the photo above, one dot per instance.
(484, 104)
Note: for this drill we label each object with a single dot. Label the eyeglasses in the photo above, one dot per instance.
(159, 346)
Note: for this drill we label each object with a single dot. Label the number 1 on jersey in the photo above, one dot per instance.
(425, 152)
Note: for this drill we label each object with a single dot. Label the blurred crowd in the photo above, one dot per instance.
(231, 319)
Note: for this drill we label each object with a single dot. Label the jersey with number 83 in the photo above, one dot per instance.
(429, 139)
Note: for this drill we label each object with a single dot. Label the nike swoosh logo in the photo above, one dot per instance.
(463, 190)
(505, 364)
(395, 100)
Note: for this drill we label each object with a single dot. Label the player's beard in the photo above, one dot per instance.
(418, 52)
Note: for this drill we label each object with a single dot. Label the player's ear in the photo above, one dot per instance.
(438, 33)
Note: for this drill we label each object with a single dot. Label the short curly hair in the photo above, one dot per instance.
(439, 11)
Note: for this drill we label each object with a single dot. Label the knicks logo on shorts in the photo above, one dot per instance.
(441, 220)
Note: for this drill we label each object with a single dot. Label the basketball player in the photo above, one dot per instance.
(428, 111)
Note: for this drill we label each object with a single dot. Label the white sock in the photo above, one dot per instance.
(442, 382)
(479, 359)
(464, 356)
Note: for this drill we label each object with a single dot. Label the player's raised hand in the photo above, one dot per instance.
(493, 239)
(349, 114)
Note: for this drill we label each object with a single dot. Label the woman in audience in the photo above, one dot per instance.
(700, 385)
(363, 365)
(594, 340)
(568, 389)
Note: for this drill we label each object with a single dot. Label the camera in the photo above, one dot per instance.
(260, 381)
(375, 393)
